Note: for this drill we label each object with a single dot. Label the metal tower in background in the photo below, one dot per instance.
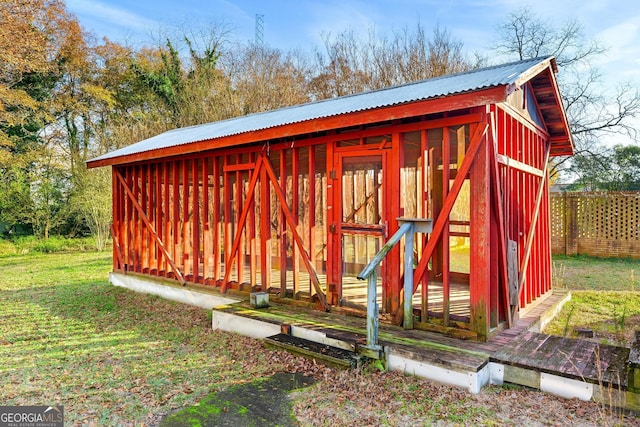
(259, 30)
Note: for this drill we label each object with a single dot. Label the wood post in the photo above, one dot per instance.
(265, 229)
(480, 237)
(446, 160)
(500, 229)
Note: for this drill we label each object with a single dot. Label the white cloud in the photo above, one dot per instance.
(622, 58)
(622, 36)
(335, 17)
(114, 16)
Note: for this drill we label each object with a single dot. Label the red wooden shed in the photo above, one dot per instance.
(297, 201)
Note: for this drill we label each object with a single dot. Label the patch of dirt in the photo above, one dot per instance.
(621, 330)
(264, 402)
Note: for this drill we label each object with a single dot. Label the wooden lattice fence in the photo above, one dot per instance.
(603, 224)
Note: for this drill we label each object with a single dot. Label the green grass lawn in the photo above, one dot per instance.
(110, 356)
(596, 274)
(116, 357)
(605, 297)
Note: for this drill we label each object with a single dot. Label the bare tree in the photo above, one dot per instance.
(93, 200)
(595, 111)
(350, 65)
(264, 78)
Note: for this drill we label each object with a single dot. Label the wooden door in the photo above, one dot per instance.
(360, 219)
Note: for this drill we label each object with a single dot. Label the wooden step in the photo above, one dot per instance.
(326, 354)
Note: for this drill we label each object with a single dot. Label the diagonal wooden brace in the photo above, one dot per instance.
(296, 237)
(150, 227)
(476, 141)
(241, 223)
(534, 222)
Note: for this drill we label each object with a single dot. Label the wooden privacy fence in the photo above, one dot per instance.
(603, 224)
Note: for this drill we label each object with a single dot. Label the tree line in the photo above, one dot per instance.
(66, 97)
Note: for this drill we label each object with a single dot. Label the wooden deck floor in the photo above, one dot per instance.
(354, 291)
(518, 346)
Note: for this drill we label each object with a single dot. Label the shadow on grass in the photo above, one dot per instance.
(109, 355)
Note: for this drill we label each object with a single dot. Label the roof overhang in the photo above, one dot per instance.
(360, 118)
(547, 93)
(540, 73)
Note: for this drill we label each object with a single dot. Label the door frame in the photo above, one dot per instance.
(335, 223)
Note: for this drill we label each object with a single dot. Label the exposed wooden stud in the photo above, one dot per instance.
(195, 219)
(312, 208)
(295, 190)
(238, 226)
(392, 281)
(446, 160)
(206, 224)
(144, 264)
(186, 242)
(265, 229)
(152, 215)
(128, 218)
(334, 218)
(159, 223)
(117, 260)
(216, 218)
(296, 236)
(149, 226)
(253, 261)
(428, 162)
(500, 226)
(228, 225)
(282, 224)
(176, 211)
(135, 175)
(151, 212)
(480, 272)
(167, 219)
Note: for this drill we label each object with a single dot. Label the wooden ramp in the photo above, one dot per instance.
(577, 359)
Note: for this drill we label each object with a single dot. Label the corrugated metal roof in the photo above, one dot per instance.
(473, 80)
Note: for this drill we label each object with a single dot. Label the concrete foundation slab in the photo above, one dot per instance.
(173, 293)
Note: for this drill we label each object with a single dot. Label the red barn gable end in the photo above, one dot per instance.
(297, 201)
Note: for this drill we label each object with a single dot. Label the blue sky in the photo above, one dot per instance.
(300, 24)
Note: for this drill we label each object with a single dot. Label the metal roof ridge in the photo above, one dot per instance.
(352, 95)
